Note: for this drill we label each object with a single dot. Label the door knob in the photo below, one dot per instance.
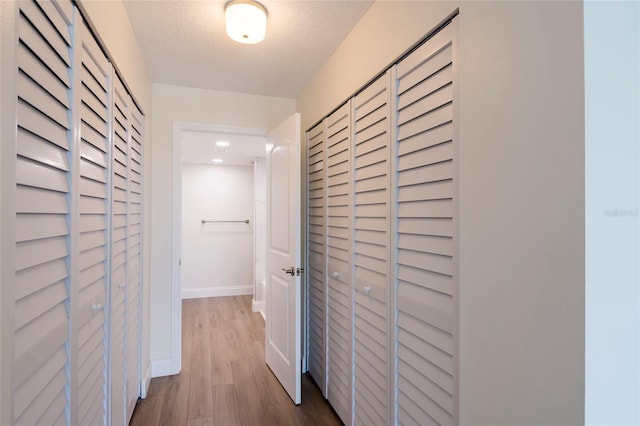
(291, 271)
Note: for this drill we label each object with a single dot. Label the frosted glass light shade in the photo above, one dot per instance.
(246, 21)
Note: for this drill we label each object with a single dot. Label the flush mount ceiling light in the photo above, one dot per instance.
(216, 160)
(222, 144)
(246, 21)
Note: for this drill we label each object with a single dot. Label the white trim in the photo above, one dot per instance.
(257, 306)
(173, 365)
(145, 381)
(176, 305)
(218, 291)
(164, 367)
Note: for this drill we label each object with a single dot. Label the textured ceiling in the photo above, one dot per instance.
(184, 43)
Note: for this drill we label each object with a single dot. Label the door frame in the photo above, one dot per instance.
(174, 364)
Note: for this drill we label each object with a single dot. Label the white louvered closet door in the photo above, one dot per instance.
(371, 246)
(316, 260)
(339, 262)
(93, 223)
(426, 209)
(120, 176)
(76, 254)
(134, 261)
(43, 207)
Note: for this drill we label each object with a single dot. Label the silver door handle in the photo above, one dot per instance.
(291, 271)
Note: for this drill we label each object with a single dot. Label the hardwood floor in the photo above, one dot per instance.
(224, 379)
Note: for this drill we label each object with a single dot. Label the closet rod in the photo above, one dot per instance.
(225, 221)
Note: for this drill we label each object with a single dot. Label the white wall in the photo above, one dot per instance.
(173, 104)
(522, 213)
(612, 97)
(521, 133)
(217, 258)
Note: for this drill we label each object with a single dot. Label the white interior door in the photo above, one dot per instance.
(283, 304)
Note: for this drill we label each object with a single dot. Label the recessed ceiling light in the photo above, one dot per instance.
(222, 143)
(216, 160)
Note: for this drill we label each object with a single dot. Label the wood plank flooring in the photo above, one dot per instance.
(224, 379)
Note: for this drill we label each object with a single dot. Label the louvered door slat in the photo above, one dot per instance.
(118, 259)
(426, 244)
(33, 94)
(92, 100)
(93, 86)
(30, 173)
(41, 151)
(38, 34)
(42, 76)
(316, 261)
(41, 301)
(441, 78)
(433, 136)
(338, 255)
(41, 318)
(40, 124)
(49, 391)
(37, 278)
(93, 220)
(92, 154)
(431, 120)
(134, 262)
(371, 263)
(50, 33)
(59, 17)
(424, 105)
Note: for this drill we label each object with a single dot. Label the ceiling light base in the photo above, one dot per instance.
(246, 21)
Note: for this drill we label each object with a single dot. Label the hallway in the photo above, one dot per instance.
(224, 379)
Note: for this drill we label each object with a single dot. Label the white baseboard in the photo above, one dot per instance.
(163, 367)
(145, 381)
(230, 290)
(257, 306)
